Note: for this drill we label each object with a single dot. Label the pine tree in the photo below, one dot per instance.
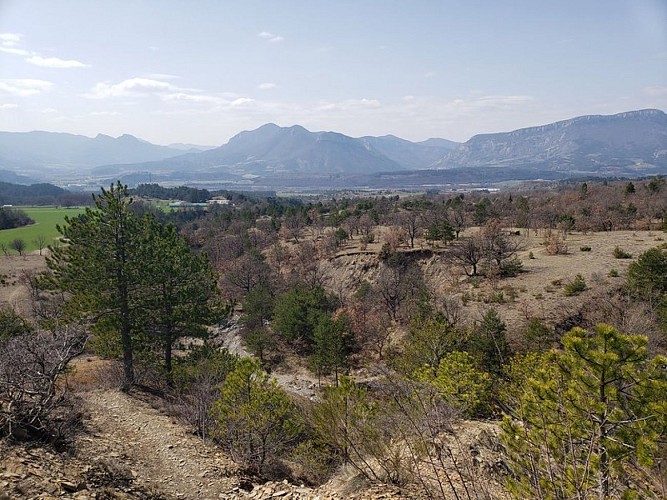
(332, 344)
(459, 383)
(588, 421)
(179, 288)
(255, 419)
(99, 268)
(488, 343)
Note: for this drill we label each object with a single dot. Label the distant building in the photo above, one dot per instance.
(219, 200)
(187, 204)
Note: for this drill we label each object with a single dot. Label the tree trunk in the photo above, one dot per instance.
(126, 342)
(167, 360)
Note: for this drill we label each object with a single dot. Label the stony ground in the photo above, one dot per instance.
(128, 449)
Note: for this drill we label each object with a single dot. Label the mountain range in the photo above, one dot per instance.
(49, 153)
(629, 144)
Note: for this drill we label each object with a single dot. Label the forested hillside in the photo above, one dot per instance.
(40, 194)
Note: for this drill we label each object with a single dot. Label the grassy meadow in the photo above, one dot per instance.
(46, 219)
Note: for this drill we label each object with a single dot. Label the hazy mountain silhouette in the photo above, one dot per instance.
(616, 144)
(626, 144)
(50, 149)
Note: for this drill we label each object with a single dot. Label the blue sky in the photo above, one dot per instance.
(200, 71)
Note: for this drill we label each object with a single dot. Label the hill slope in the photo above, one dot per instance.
(621, 144)
(271, 150)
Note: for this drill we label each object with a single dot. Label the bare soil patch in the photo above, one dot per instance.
(12, 292)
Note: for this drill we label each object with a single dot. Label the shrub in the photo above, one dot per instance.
(12, 325)
(496, 298)
(539, 337)
(554, 244)
(196, 378)
(585, 249)
(460, 383)
(255, 420)
(314, 461)
(34, 402)
(613, 273)
(575, 287)
(619, 253)
(511, 292)
(368, 238)
(511, 268)
(385, 251)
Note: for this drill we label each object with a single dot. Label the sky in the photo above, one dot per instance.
(201, 71)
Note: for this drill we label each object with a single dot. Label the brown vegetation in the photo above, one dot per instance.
(383, 290)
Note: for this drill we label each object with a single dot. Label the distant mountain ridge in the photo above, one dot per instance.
(593, 144)
(54, 149)
(632, 143)
(274, 151)
(410, 155)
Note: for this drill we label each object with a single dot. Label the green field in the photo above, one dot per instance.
(46, 219)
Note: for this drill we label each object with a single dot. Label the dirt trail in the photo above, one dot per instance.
(162, 455)
(167, 462)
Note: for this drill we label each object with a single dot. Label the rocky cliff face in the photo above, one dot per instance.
(587, 144)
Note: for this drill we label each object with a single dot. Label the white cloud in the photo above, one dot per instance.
(270, 37)
(504, 102)
(130, 87)
(49, 111)
(147, 87)
(104, 113)
(241, 101)
(9, 44)
(189, 97)
(350, 105)
(266, 86)
(24, 87)
(9, 105)
(55, 62)
(15, 51)
(10, 39)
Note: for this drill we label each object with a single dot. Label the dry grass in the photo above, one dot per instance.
(12, 293)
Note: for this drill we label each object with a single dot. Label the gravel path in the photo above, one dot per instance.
(162, 456)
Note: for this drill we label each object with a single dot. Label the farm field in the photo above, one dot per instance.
(46, 219)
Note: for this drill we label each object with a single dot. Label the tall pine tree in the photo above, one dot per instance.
(99, 268)
(179, 288)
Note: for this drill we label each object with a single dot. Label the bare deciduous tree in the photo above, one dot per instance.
(34, 401)
(40, 242)
(18, 245)
(469, 254)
